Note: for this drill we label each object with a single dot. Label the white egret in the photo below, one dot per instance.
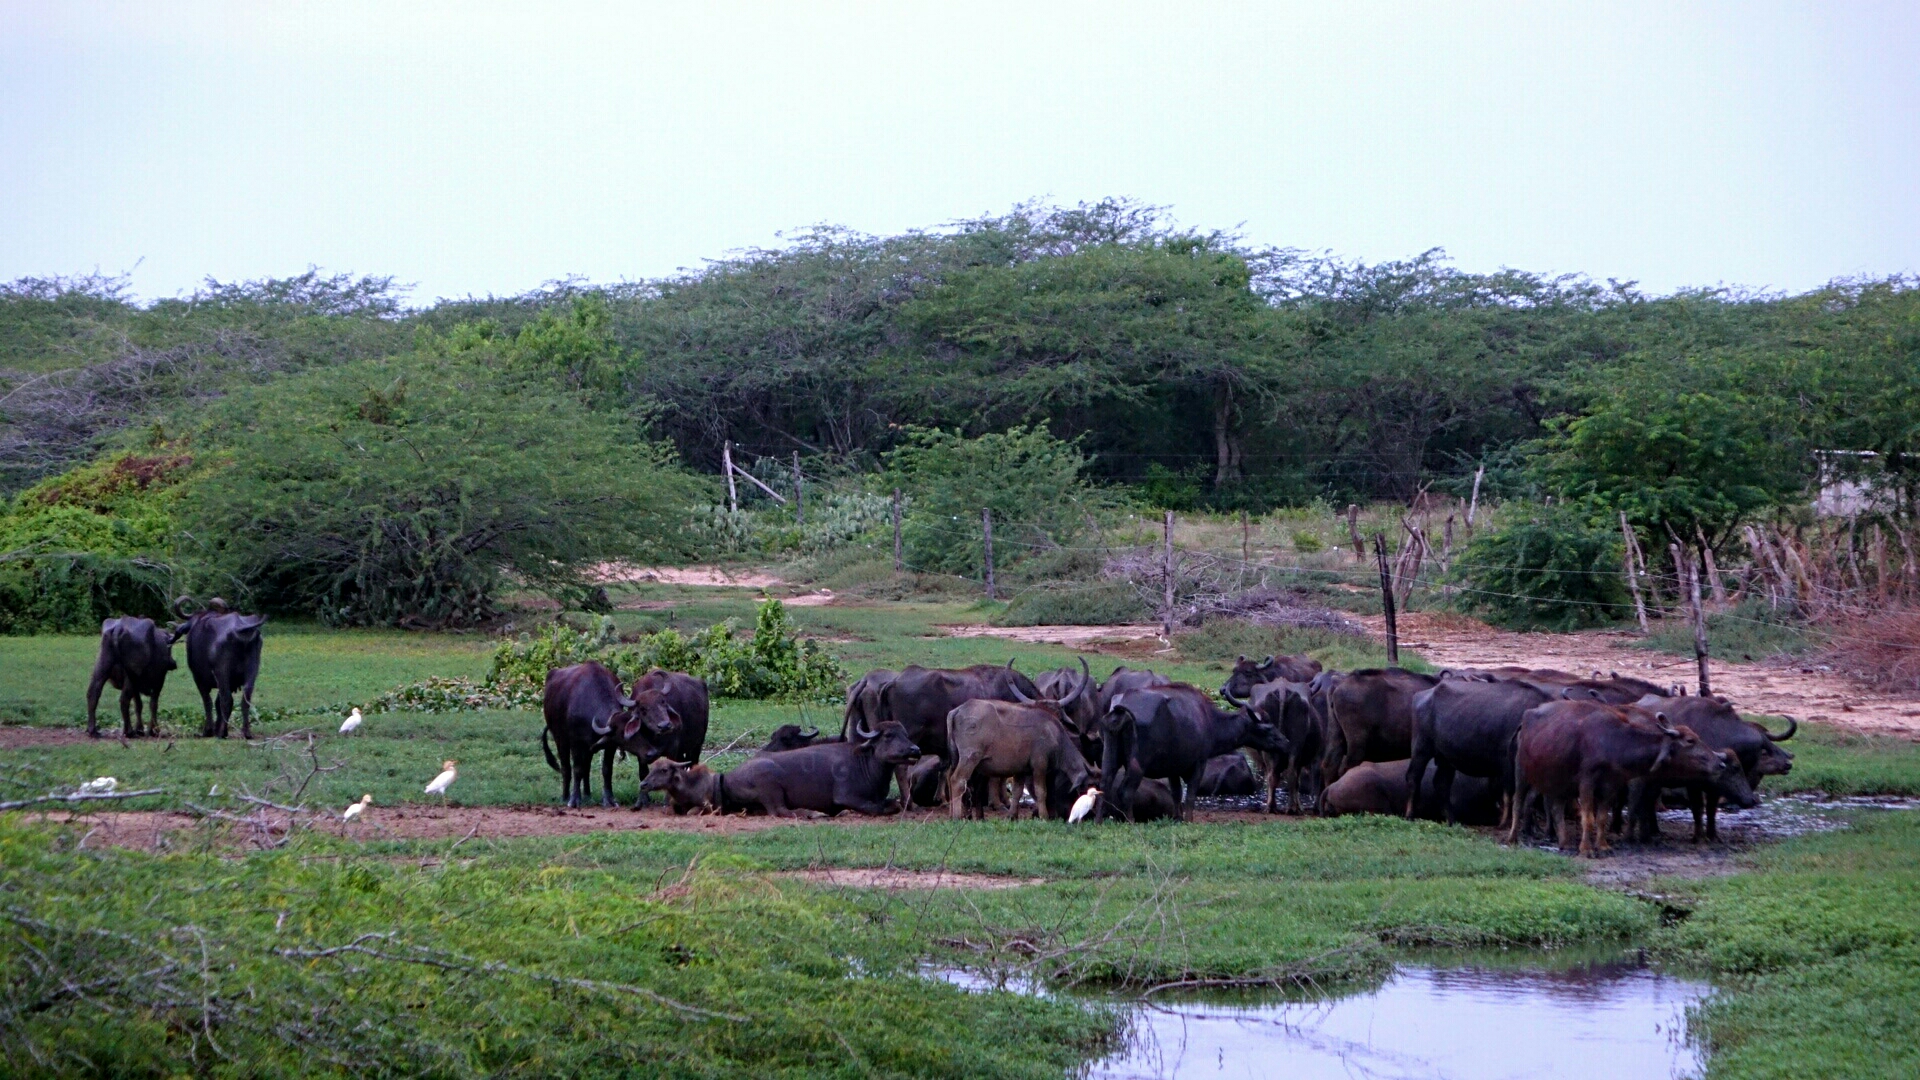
(352, 721)
(353, 810)
(440, 784)
(1083, 805)
(99, 785)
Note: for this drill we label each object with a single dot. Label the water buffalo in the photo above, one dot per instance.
(1026, 742)
(135, 656)
(1722, 728)
(1288, 706)
(1466, 727)
(689, 786)
(863, 700)
(664, 716)
(223, 653)
(1643, 799)
(1380, 787)
(791, 737)
(1170, 733)
(1067, 685)
(825, 777)
(579, 704)
(919, 699)
(1227, 776)
(1584, 754)
(1370, 718)
(1246, 674)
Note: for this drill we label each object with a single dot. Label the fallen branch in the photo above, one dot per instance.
(80, 796)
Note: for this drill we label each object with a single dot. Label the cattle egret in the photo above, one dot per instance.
(353, 810)
(99, 785)
(440, 784)
(1083, 805)
(352, 721)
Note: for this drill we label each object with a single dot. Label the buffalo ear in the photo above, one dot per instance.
(632, 728)
(673, 717)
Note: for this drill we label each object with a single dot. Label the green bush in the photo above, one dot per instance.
(412, 491)
(1108, 603)
(1307, 543)
(775, 663)
(1029, 479)
(1555, 569)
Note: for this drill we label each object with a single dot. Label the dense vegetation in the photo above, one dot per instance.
(425, 453)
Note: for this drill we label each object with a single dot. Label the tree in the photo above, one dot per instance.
(413, 491)
(1030, 480)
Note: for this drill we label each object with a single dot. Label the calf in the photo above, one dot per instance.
(827, 778)
(1380, 787)
(1227, 775)
(1642, 803)
(791, 737)
(688, 786)
(135, 656)
(223, 654)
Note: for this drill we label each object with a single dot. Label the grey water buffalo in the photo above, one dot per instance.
(1585, 754)
(1721, 727)
(223, 655)
(1247, 674)
(1466, 727)
(791, 737)
(1026, 742)
(135, 656)
(863, 700)
(919, 699)
(1171, 733)
(1227, 776)
(826, 777)
(664, 716)
(579, 703)
(1289, 707)
(688, 786)
(1380, 787)
(1370, 718)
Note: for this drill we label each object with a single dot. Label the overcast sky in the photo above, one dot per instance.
(473, 149)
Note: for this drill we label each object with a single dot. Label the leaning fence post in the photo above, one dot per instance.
(898, 565)
(726, 466)
(986, 542)
(1166, 579)
(1692, 575)
(1386, 598)
(1633, 579)
(799, 496)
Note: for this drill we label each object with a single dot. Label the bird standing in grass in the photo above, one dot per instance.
(1083, 805)
(352, 721)
(353, 810)
(439, 784)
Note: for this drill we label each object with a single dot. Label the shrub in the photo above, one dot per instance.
(1107, 603)
(1307, 543)
(411, 491)
(1029, 479)
(1555, 569)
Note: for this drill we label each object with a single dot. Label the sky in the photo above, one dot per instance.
(473, 149)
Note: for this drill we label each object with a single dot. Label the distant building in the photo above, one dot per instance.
(1852, 483)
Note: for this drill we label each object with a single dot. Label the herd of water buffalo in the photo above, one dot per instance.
(1481, 747)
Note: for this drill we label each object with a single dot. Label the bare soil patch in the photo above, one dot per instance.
(895, 879)
(718, 577)
(1123, 640)
(26, 738)
(1772, 688)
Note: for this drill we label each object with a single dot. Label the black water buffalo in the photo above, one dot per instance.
(1026, 742)
(791, 737)
(688, 786)
(1641, 806)
(1721, 727)
(1370, 718)
(919, 699)
(1585, 754)
(1466, 727)
(1078, 687)
(135, 656)
(1289, 707)
(664, 716)
(1227, 776)
(1170, 733)
(1380, 787)
(863, 700)
(223, 654)
(1246, 674)
(579, 704)
(825, 777)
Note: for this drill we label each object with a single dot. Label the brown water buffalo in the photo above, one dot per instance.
(135, 656)
(863, 700)
(1721, 727)
(223, 654)
(1585, 754)
(1380, 787)
(1641, 807)
(1370, 718)
(1247, 674)
(826, 777)
(1025, 742)
(579, 703)
(1170, 733)
(1288, 706)
(1466, 727)
(688, 786)
(664, 716)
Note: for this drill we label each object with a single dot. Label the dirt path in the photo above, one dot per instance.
(1778, 689)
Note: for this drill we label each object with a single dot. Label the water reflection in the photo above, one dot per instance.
(1597, 1021)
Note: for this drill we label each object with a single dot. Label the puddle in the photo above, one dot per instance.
(1595, 1020)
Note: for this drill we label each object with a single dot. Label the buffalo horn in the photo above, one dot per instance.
(862, 732)
(1080, 686)
(1017, 695)
(1268, 662)
(810, 733)
(1792, 726)
(1231, 700)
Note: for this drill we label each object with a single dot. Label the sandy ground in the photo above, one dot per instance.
(620, 573)
(1770, 688)
(1078, 637)
(893, 879)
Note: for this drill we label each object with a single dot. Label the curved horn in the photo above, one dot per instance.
(180, 605)
(1268, 662)
(625, 702)
(1792, 726)
(1086, 673)
(1019, 696)
(862, 732)
(1079, 689)
(1231, 700)
(603, 725)
(810, 733)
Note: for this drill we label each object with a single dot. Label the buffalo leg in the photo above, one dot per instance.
(606, 779)
(582, 776)
(1416, 772)
(1713, 814)
(565, 758)
(959, 783)
(153, 715)
(1443, 790)
(206, 703)
(1038, 782)
(223, 711)
(1696, 802)
(129, 709)
(246, 710)
(99, 681)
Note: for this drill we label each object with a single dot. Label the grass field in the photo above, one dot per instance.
(552, 955)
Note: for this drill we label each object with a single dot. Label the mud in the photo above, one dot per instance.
(1773, 688)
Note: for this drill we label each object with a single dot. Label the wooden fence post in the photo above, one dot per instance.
(1691, 574)
(1353, 532)
(1166, 578)
(1633, 579)
(1246, 539)
(986, 542)
(898, 565)
(726, 466)
(799, 496)
(1473, 504)
(1386, 598)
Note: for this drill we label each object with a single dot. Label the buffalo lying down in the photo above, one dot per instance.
(826, 777)
(135, 656)
(1380, 787)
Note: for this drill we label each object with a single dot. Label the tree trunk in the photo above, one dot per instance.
(1226, 447)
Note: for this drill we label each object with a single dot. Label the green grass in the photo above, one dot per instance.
(1748, 632)
(1840, 762)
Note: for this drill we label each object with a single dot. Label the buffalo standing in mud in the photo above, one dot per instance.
(1171, 733)
(1027, 742)
(664, 716)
